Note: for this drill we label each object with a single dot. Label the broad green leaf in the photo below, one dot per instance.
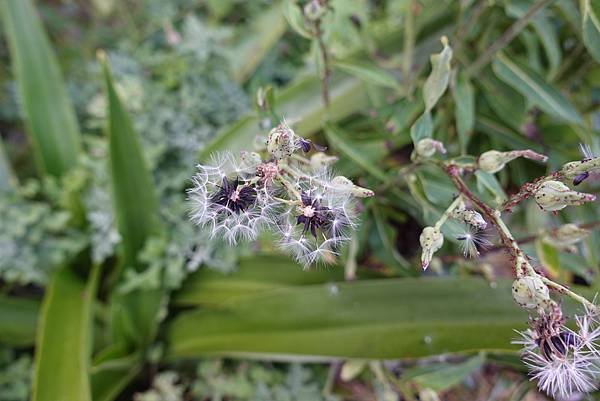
(545, 29)
(49, 114)
(112, 370)
(345, 146)
(437, 81)
(422, 128)
(539, 92)
(363, 319)
(487, 181)
(258, 38)
(294, 16)
(134, 196)
(64, 338)
(255, 274)
(302, 107)
(464, 110)
(443, 376)
(368, 72)
(590, 10)
(18, 319)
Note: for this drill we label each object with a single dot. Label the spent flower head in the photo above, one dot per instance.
(310, 210)
(563, 361)
(554, 195)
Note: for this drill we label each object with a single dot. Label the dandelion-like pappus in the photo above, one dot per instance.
(562, 360)
(299, 199)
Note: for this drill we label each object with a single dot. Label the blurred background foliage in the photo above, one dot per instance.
(109, 292)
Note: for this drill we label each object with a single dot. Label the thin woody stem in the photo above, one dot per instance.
(565, 291)
(326, 62)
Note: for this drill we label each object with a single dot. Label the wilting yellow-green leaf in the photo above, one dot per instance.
(49, 114)
(437, 81)
(64, 338)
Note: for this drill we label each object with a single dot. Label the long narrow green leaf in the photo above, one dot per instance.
(539, 92)
(134, 197)
(18, 319)
(136, 208)
(49, 114)
(257, 40)
(255, 274)
(364, 319)
(590, 10)
(64, 338)
(8, 181)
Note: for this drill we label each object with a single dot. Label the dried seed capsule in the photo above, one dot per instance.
(431, 240)
(282, 141)
(531, 292)
(554, 195)
(493, 161)
(341, 183)
(427, 147)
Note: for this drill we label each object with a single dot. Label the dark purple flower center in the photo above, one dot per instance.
(234, 198)
(556, 346)
(313, 215)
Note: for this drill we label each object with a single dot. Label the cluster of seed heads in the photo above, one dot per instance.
(311, 211)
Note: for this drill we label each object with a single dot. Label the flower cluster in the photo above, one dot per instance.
(311, 211)
(563, 360)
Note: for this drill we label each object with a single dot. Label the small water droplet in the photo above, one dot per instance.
(427, 339)
(493, 285)
(333, 289)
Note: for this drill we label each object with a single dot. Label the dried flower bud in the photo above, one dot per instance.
(554, 195)
(427, 147)
(566, 236)
(493, 161)
(320, 160)
(431, 240)
(531, 292)
(471, 217)
(580, 170)
(282, 141)
(315, 9)
(342, 183)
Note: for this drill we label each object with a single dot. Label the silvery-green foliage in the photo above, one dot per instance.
(35, 238)
(165, 387)
(253, 381)
(15, 375)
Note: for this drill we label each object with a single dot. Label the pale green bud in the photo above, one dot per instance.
(566, 236)
(320, 160)
(470, 217)
(431, 240)
(427, 147)
(341, 183)
(554, 195)
(281, 142)
(531, 293)
(493, 161)
(428, 394)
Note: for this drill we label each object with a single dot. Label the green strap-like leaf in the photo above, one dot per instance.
(539, 92)
(134, 197)
(49, 114)
(369, 73)
(64, 338)
(590, 11)
(464, 110)
(392, 318)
